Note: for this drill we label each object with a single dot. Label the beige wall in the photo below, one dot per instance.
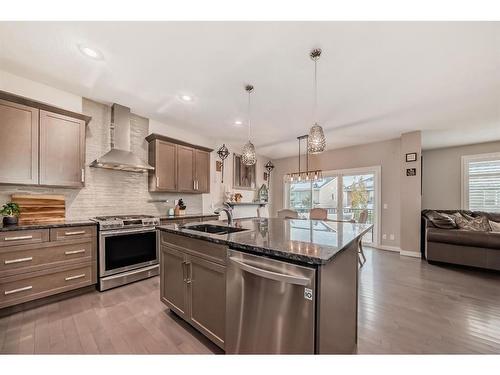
(410, 193)
(387, 154)
(442, 174)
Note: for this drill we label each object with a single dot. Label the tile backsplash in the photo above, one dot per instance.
(110, 192)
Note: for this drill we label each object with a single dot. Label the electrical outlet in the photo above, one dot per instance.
(386, 206)
(384, 236)
(391, 237)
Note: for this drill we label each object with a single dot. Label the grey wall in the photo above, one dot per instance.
(442, 174)
(387, 154)
(410, 193)
(109, 192)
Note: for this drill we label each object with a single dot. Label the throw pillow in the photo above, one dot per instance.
(477, 224)
(495, 227)
(440, 221)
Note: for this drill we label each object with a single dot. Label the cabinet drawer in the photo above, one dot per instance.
(61, 234)
(21, 237)
(204, 249)
(14, 290)
(19, 259)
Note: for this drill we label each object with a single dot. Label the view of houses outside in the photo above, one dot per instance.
(358, 194)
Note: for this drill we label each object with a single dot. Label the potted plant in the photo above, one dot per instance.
(10, 213)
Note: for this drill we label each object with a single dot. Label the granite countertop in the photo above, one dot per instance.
(46, 225)
(186, 216)
(306, 241)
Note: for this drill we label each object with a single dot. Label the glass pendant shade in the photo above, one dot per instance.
(248, 156)
(316, 141)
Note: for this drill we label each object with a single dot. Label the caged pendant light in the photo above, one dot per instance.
(248, 156)
(316, 142)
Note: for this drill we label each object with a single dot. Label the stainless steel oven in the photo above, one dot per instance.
(127, 252)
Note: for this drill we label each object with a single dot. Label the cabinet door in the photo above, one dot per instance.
(185, 169)
(202, 168)
(62, 150)
(18, 143)
(165, 166)
(207, 295)
(173, 280)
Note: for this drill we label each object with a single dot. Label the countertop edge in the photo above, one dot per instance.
(34, 226)
(262, 250)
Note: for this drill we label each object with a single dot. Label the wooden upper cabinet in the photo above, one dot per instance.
(179, 166)
(18, 143)
(62, 150)
(202, 171)
(185, 169)
(163, 156)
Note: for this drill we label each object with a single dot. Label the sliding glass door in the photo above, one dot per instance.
(347, 195)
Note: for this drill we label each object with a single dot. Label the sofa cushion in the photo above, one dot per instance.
(443, 221)
(488, 240)
(495, 227)
(476, 224)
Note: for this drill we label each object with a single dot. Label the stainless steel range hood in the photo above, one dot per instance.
(120, 157)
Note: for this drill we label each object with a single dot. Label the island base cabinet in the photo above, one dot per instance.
(207, 294)
(173, 280)
(195, 289)
(337, 325)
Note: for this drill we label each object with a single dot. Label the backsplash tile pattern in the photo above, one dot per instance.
(110, 192)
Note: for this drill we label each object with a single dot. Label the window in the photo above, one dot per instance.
(481, 182)
(345, 194)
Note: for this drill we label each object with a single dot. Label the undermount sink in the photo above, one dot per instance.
(213, 229)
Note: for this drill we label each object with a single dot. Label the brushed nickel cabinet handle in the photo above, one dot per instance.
(83, 174)
(18, 238)
(74, 252)
(74, 277)
(74, 233)
(29, 259)
(188, 277)
(7, 292)
(157, 181)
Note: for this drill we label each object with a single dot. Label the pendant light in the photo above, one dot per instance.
(316, 143)
(248, 156)
(307, 175)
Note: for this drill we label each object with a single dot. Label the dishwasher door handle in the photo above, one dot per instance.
(290, 279)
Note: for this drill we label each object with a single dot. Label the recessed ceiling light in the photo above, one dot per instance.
(238, 123)
(90, 52)
(187, 98)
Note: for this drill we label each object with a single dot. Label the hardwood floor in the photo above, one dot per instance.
(405, 306)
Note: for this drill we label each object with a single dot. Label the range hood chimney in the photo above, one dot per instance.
(120, 157)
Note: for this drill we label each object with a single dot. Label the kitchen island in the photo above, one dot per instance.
(265, 285)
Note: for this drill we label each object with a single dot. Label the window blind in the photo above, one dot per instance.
(484, 185)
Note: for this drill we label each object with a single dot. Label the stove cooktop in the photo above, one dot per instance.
(126, 221)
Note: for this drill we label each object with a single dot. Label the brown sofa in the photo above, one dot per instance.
(459, 246)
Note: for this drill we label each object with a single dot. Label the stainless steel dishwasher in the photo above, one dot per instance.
(270, 306)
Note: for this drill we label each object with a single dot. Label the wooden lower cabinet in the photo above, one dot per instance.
(173, 280)
(194, 287)
(39, 263)
(27, 287)
(207, 294)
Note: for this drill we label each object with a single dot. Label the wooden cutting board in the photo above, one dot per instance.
(37, 208)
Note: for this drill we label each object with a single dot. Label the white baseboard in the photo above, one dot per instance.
(412, 254)
(396, 249)
(388, 248)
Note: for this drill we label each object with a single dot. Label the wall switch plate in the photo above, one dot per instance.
(391, 237)
(384, 236)
(386, 206)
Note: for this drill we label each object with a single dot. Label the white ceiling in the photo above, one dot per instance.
(376, 79)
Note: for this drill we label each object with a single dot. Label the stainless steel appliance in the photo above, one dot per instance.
(128, 249)
(270, 306)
